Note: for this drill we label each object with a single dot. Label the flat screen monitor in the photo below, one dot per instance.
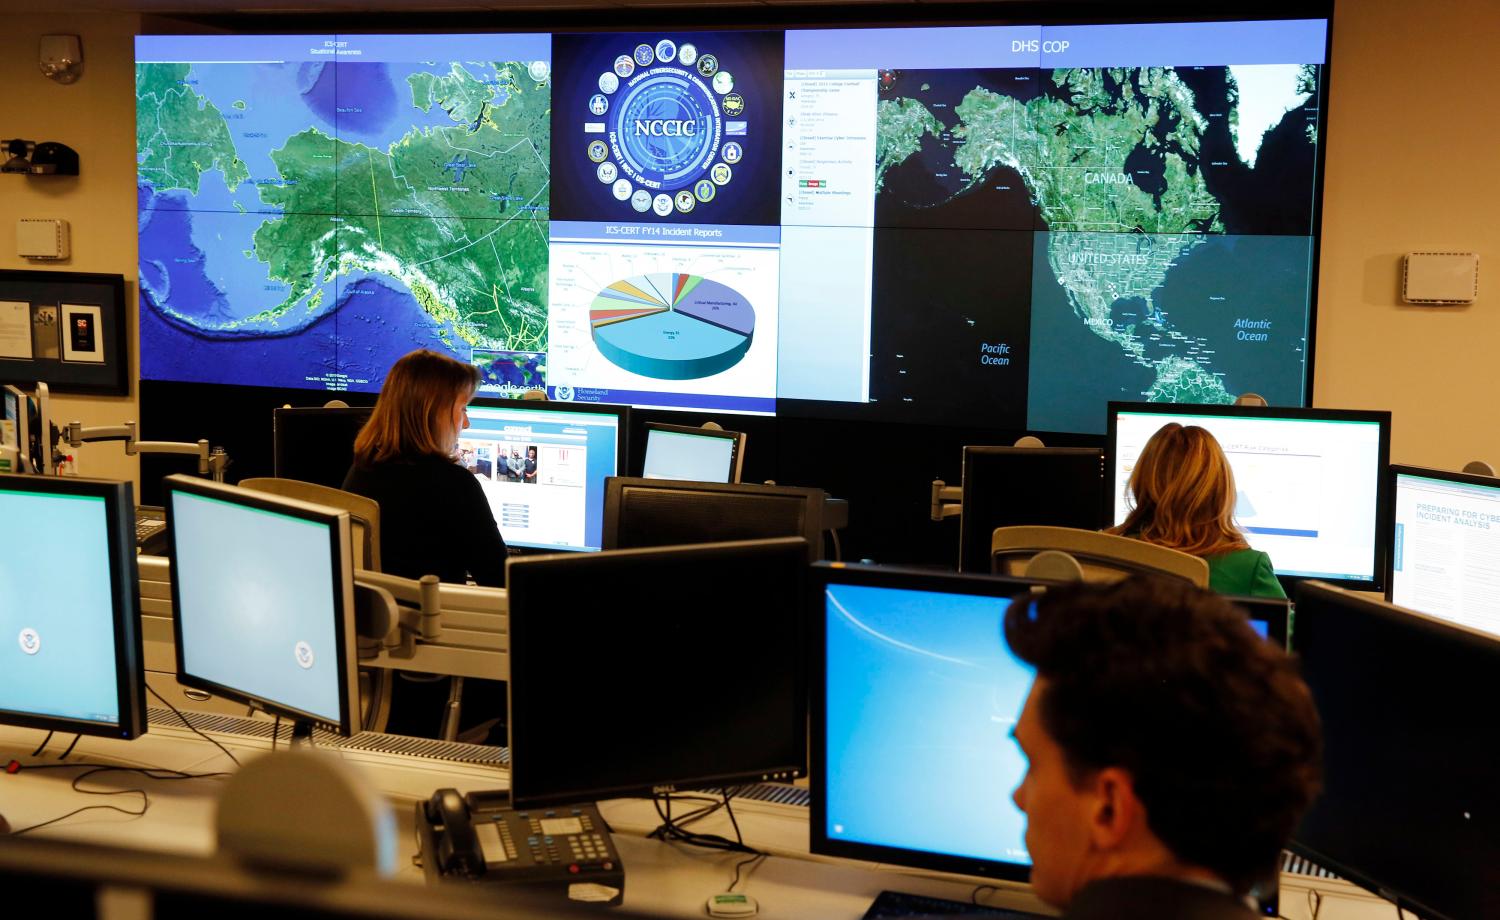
(696, 454)
(913, 694)
(263, 591)
(659, 512)
(316, 444)
(21, 409)
(70, 640)
(542, 466)
(1445, 535)
(636, 671)
(1409, 808)
(1006, 486)
(1270, 617)
(1311, 482)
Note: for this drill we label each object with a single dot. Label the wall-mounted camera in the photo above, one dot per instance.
(49, 158)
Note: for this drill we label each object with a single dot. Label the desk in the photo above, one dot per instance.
(664, 879)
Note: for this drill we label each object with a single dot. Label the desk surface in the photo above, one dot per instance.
(666, 879)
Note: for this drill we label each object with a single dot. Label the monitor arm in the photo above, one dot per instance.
(211, 462)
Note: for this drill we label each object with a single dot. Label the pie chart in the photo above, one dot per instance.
(672, 326)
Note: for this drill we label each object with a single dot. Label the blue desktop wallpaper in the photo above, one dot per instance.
(57, 649)
(922, 697)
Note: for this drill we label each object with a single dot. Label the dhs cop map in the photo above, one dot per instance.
(1004, 226)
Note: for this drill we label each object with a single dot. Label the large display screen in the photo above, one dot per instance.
(1447, 529)
(1308, 482)
(899, 224)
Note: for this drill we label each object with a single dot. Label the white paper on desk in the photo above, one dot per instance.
(592, 892)
(15, 329)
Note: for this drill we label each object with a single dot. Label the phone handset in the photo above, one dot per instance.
(456, 844)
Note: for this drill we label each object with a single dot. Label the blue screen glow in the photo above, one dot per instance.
(922, 697)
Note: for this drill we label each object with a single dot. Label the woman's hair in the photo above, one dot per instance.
(411, 417)
(1182, 494)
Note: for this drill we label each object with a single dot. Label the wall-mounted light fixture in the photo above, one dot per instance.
(61, 58)
(49, 158)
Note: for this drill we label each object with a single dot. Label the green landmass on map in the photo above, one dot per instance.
(1109, 238)
(457, 214)
(179, 135)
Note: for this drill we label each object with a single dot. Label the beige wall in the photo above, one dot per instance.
(1413, 162)
(96, 117)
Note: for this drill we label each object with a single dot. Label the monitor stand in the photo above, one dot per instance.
(302, 733)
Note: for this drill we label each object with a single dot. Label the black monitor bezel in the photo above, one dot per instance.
(1372, 607)
(1393, 472)
(340, 549)
(1382, 480)
(973, 452)
(621, 414)
(280, 448)
(736, 439)
(124, 583)
(821, 575)
(570, 566)
(812, 521)
(1278, 620)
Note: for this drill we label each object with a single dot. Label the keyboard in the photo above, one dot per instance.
(892, 904)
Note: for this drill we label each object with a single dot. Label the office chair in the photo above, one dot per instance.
(364, 531)
(364, 513)
(1479, 468)
(1033, 551)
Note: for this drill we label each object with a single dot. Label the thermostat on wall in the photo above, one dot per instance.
(42, 239)
(1440, 277)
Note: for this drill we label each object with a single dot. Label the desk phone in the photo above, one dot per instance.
(476, 836)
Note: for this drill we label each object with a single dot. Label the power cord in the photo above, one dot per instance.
(43, 746)
(1314, 903)
(675, 829)
(64, 754)
(190, 725)
(94, 769)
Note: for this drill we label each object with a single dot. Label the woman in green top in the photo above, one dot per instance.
(1182, 492)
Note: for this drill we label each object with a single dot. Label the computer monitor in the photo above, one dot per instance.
(1271, 617)
(1006, 486)
(316, 444)
(70, 640)
(21, 409)
(660, 512)
(542, 465)
(913, 694)
(1311, 482)
(1409, 804)
(1444, 533)
(696, 454)
(263, 591)
(639, 671)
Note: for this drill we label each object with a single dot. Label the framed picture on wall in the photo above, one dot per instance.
(66, 329)
(81, 340)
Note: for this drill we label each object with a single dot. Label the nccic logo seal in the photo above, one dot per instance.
(665, 111)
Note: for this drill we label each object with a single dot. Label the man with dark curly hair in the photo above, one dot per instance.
(1171, 751)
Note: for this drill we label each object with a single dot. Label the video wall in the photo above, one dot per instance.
(1001, 226)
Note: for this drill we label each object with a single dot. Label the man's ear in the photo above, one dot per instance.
(1117, 813)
